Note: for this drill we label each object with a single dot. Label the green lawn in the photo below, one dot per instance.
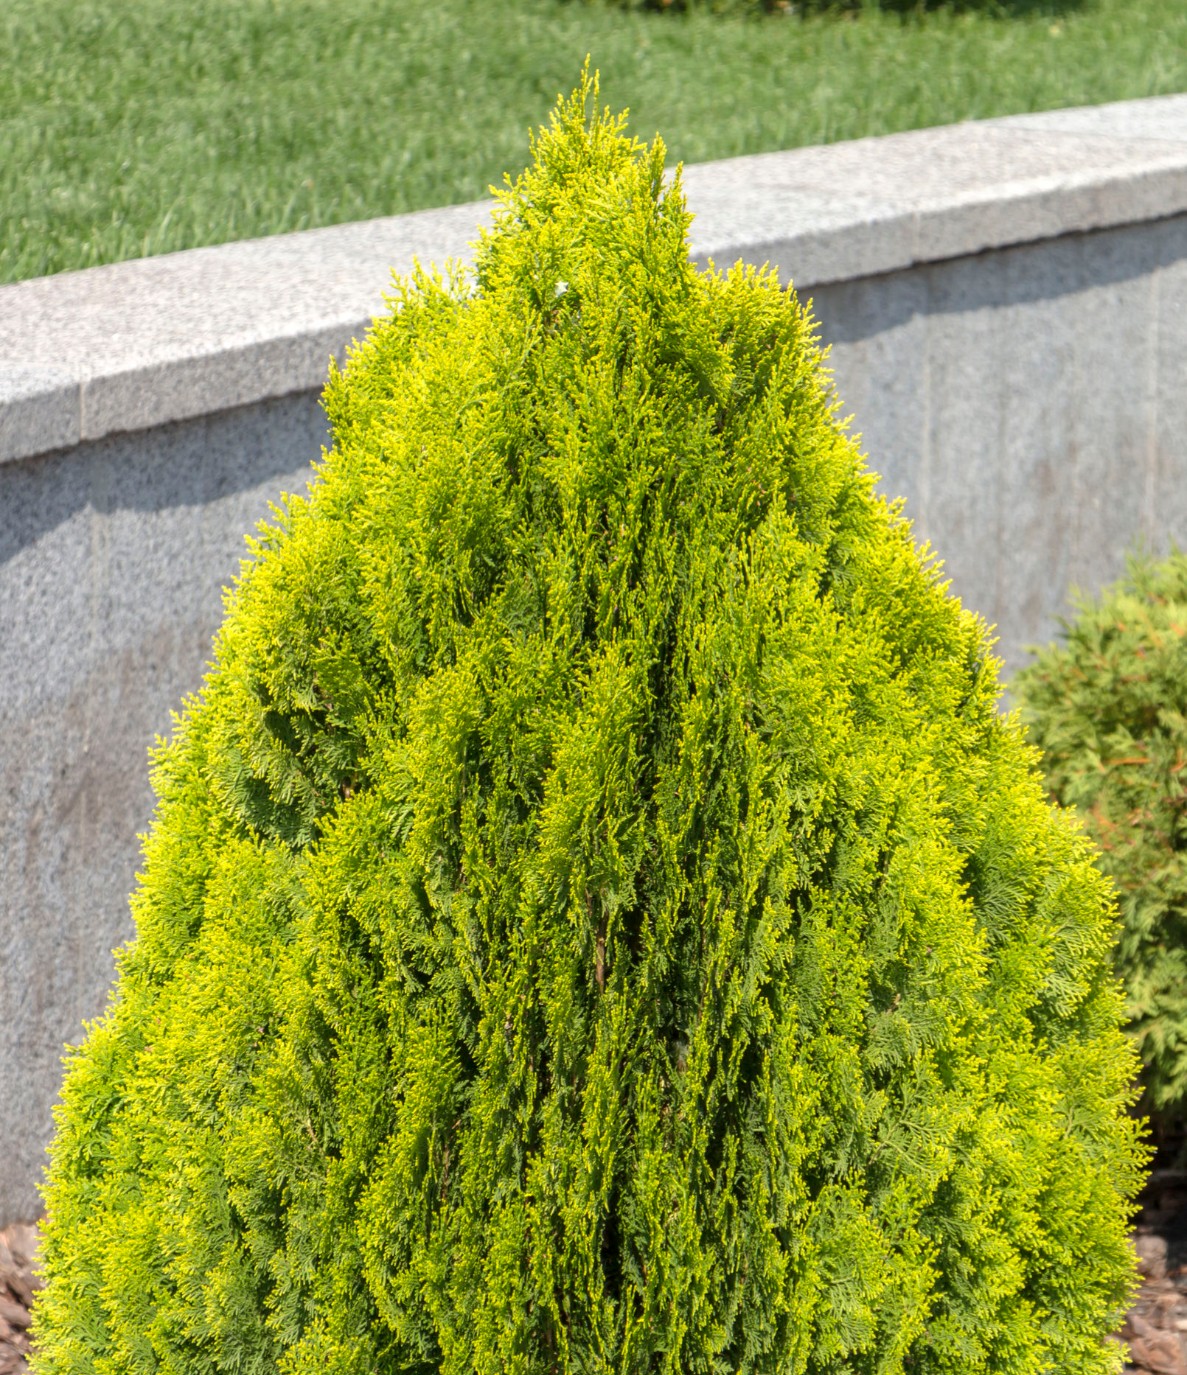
(130, 127)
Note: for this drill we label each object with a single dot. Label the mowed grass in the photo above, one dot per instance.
(132, 127)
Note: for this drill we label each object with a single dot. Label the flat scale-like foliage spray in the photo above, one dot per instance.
(596, 918)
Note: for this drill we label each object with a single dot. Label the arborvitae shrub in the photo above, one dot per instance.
(1108, 709)
(595, 918)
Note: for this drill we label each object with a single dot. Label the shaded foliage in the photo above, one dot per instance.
(789, 9)
(1108, 708)
(595, 917)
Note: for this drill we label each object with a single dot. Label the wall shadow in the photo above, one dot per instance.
(182, 464)
(999, 278)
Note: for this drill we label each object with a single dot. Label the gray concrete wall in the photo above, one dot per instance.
(1030, 405)
(1005, 302)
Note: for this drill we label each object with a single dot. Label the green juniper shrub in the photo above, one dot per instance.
(595, 917)
(1108, 709)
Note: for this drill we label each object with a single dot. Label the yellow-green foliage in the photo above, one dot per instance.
(1108, 708)
(595, 919)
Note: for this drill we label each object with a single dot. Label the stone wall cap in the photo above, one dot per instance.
(141, 343)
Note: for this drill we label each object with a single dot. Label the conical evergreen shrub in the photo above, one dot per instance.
(1108, 709)
(595, 918)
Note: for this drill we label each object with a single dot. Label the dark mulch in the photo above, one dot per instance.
(18, 1245)
(1156, 1328)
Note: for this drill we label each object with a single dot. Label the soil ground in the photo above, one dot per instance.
(18, 1245)
(1156, 1328)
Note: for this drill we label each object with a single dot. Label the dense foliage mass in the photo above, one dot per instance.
(596, 919)
(1108, 708)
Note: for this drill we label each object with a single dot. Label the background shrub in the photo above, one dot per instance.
(788, 9)
(596, 918)
(1108, 709)
(714, 6)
